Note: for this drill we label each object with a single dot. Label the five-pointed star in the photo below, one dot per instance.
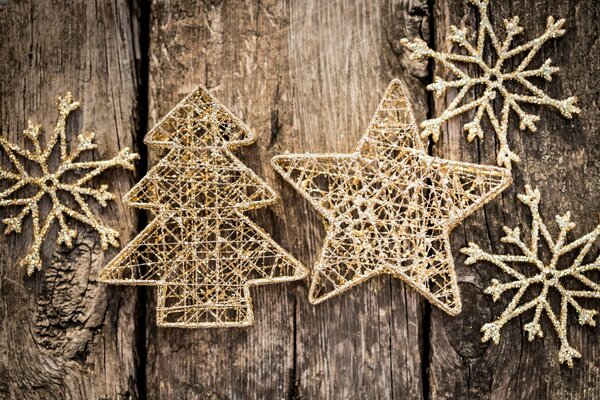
(389, 207)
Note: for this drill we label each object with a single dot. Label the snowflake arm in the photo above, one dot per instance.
(15, 187)
(50, 182)
(548, 275)
(7, 147)
(14, 224)
(493, 79)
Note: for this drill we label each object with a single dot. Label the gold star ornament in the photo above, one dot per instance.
(389, 207)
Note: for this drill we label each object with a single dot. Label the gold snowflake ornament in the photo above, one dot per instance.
(200, 249)
(494, 79)
(389, 207)
(548, 277)
(54, 184)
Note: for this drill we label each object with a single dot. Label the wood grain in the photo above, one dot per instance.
(367, 343)
(561, 160)
(306, 76)
(63, 335)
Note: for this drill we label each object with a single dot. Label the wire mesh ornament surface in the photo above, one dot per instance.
(495, 79)
(200, 250)
(389, 207)
(72, 177)
(548, 276)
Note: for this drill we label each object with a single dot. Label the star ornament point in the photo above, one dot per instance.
(388, 207)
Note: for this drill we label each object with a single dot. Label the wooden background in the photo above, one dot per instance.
(306, 75)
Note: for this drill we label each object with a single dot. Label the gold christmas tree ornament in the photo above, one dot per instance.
(71, 177)
(389, 207)
(200, 249)
(548, 277)
(493, 81)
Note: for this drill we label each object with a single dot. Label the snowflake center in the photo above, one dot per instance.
(49, 183)
(494, 78)
(550, 276)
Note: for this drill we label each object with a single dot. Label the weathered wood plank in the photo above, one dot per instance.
(306, 75)
(228, 47)
(561, 160)
(62, 335)
(366, 343)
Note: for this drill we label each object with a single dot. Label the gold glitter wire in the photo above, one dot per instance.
(389, 207)
(548, 276)
(493, 78)
(200, 249)
(49, 183)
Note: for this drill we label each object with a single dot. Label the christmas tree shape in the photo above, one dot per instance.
(200, 249)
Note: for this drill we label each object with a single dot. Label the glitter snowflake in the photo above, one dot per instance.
(49, 183)
(494, 78)
(548, 276)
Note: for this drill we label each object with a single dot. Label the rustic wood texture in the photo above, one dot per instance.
(63, 335)
(306, 75)
(561, 160)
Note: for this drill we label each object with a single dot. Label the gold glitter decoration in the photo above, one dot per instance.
(389, 207)
(548, 277)
(49, 183)
(200, 250)
(493, 78)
